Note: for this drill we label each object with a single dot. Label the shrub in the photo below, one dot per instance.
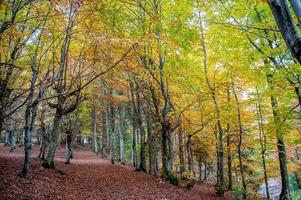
(172, 179)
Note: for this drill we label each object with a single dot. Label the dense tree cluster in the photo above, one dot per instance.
(182, 89)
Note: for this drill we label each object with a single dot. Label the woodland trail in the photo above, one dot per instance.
(88, 177)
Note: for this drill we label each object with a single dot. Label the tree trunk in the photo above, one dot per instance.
(170, 151)
(286, 25)
(164, 152)
(138, 108)
(104, 131)
(181, 151)
(229, 163)
(94, 129)
(262, 139)
(220, 188)
(121, 133)
(149, 142)
(205, 171)
(240, 140)
(285, 191)
(30, 115)
(134, 151)
(53, 138)
(112, 134)
(69, 153)
(155, 156)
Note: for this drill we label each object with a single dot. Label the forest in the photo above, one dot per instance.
(150, 99)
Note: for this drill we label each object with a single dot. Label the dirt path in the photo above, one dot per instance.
(88, 177)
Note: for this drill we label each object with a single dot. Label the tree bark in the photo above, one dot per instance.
(53, 139)
(181, 151)
(220, 188)
(286, 25)
(69, 153)
(285, 191)
(94, 129)
(121, 133)
(104, 131)
(112, 133)
(240, 140)
(262, 139)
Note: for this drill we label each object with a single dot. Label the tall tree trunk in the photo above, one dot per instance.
(134, 150)
(104, 131)
(112, 134)
(262, 139)
(94, 129)
(229, 154)
(181, 151)
(220, 188)
(138, 107)
(240, 140)
(166, 129)
(149, 142)
(121, 133)
(229, 161)
(285, 191)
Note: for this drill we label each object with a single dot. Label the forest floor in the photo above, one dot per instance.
(87, 177)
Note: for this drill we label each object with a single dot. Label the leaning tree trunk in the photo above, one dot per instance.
(286, 25)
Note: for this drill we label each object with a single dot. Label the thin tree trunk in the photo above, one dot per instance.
(94, 129)
(121, 133)
(138, 107)
(112, 134)
(220, 188)
(104, 131)
(134, 151)
(229, 154)
(149, 142)
(241, 167)
(181, 151)
(285, 191)
(262, 138)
